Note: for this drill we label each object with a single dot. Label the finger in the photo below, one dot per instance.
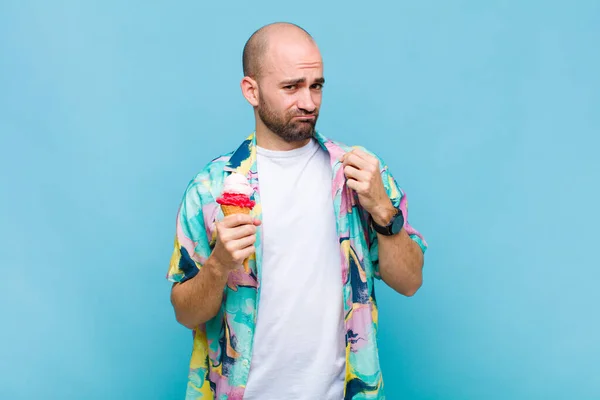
(238, 232)
(369, 158)
(234, 247)
(364, 155)
(241, 255)
(355, 185)
(355, 174)
(356, 161)
(233, 220)
(240, 244)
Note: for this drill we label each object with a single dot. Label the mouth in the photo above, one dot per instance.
(304, 117)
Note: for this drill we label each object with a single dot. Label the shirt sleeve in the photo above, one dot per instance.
(399, 200)
(191, 247)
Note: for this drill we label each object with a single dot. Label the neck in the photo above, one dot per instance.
(266, 139)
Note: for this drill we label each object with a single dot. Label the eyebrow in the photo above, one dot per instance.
(301, 80)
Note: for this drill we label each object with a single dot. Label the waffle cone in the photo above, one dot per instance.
(230, 210)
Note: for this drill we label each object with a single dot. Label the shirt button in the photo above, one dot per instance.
(245, 363)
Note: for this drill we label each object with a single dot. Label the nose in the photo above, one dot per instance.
(306, 101)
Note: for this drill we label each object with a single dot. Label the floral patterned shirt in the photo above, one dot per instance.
(222, 347)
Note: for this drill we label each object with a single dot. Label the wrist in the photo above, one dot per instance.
(382, 215)
(217, 269)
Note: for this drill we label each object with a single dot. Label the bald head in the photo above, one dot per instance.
(257, 46)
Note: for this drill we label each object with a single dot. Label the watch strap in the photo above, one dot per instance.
(384, 229)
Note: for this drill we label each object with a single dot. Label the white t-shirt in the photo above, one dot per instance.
(299, 345)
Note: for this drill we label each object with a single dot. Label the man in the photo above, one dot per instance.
(301, 323)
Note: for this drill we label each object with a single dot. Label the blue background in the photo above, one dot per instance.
(487, 113)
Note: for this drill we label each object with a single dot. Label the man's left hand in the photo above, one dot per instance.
(363, 175)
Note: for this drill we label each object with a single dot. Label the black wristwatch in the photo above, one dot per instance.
(394, 227)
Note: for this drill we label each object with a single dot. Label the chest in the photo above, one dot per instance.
(296, 195)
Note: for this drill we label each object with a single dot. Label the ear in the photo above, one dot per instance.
(250, 90)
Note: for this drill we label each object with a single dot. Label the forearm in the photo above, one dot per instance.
(198, 299)
(400, 258)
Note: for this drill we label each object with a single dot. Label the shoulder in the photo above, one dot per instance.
(339, 145)
(208, 180)
(214, 168)
(347, 148)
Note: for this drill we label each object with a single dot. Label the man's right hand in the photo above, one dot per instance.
(199, 299)
(236, 235)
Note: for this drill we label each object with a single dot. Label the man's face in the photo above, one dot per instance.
(290, 90)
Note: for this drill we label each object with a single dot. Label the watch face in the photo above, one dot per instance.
(398, 223)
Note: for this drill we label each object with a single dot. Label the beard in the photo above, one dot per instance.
(284, 126)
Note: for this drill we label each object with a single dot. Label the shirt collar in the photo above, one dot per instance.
(243, 160)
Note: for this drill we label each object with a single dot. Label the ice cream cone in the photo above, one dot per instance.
(230, 210)
(236, 199)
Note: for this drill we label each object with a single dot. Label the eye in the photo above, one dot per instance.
(290, 87)
(317, 86)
